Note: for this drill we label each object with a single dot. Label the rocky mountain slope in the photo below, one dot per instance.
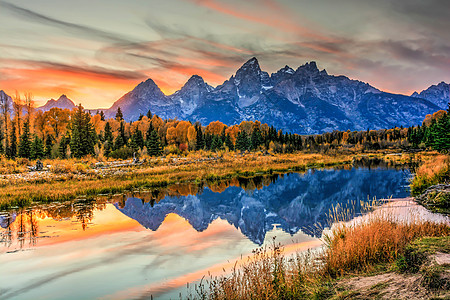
(438, 94)
(306, 100)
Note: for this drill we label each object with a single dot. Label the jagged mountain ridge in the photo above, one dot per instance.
(63, 102)
(305, 100)
(438, 94)
(291, 201)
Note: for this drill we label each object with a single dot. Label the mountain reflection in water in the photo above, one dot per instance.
(295, 202)
(154, 242)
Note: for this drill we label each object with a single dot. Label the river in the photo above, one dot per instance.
(152, 243)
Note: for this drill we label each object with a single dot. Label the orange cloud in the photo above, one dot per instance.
(268, 20)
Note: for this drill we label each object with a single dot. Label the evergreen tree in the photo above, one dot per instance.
(48, 146)
(154, 146)
(121, 139)
(216, 143)
(12, 149)
(149, 132)
(37, 148)
(149, 114)
(430, 134)
(83, 134)
(25, 142)
(229, 142)
(200, 143)
(440, 133)
(119, 114)
(63, 143)
(109, 139)
(2, 137)
(140, 117)
(102, 115)
(208, 141)
(242, 141)
(137, 140)
(256, 138)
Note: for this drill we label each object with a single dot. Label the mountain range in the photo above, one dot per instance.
(63, 102)
(294, 202)
(306, 100)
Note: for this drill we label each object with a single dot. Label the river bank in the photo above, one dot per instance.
(399, 251)
(68, 179)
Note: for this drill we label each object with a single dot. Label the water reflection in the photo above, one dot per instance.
(22, 225)
(292, 202)
(153, 242)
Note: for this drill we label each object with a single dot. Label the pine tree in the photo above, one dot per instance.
(256, 138)
(83, 134)
(149, 132)
(102, 115)
(242, 141)
(441, 134)
(216, 143)
(109, 139)
(63, 143)
(121, 139)
(2, 137)
(137, 140)
(119, 114)
(154, 146)
(25, 142)
(149, 114)
(48, 146)
(229, 142)
(37, 148)
(200, 143)
(208, 141)
(12, 149)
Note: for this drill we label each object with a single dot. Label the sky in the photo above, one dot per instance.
(96, 51)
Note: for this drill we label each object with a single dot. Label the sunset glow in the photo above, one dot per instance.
(96, 55)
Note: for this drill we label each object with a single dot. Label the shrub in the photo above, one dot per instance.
(122, 153)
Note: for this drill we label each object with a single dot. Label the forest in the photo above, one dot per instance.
(61, 133)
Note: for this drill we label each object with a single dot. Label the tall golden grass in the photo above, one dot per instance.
(380, 238)
(433, 171)
(349, 248)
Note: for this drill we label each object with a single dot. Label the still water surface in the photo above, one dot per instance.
(152, 243)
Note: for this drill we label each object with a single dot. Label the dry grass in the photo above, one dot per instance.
(68, 179)
(349, 248)
(8, 166)
(433, 171)
(381, 238)
(70, 184)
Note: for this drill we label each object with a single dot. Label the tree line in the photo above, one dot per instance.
(63, 133)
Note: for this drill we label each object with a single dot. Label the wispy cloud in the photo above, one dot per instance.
(86, 31)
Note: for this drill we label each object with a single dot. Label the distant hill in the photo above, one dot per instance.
(306, 100)
(63, 102)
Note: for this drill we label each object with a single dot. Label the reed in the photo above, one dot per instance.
(349, 248)
(433, 171)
